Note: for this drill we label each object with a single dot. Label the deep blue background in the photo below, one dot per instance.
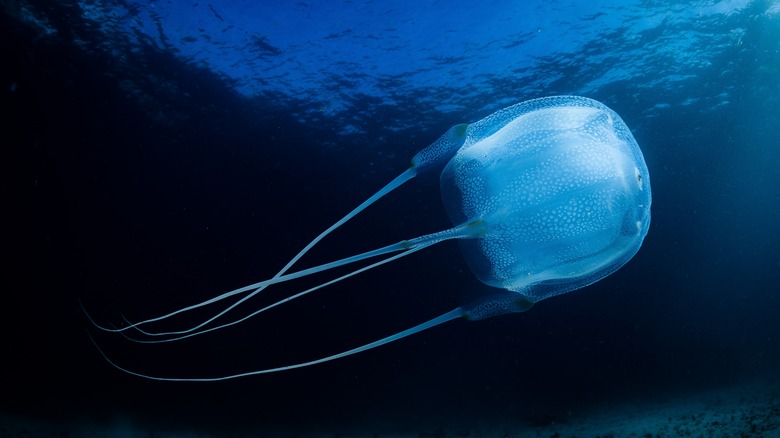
(140, 175)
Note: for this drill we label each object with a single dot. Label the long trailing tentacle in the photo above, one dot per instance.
(466, 230)
(256, 288)
(280, 302)
(441, 319)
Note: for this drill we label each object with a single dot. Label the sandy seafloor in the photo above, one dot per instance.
(744, 410)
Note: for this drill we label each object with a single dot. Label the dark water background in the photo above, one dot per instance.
(138, 180)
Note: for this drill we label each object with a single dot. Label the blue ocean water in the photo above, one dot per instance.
(161, 153)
